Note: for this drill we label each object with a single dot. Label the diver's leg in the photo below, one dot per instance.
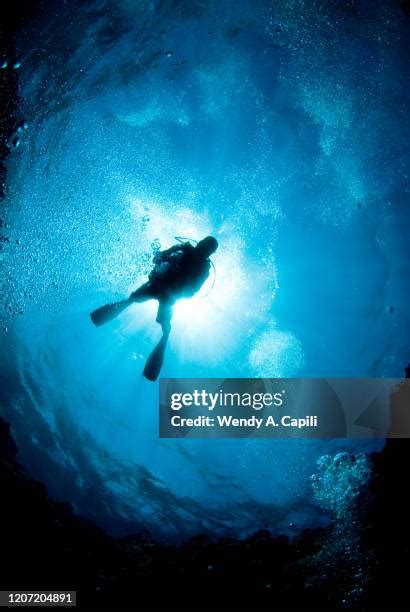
(110, 311)
(143, 293)
(156, 358)
(164, 314)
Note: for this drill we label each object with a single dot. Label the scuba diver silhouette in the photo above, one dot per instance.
(178, 272)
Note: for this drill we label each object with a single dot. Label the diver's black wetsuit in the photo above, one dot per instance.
(179, 272)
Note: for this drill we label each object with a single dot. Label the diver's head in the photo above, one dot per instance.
(207, 246)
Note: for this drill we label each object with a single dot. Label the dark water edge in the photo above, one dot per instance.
(11, 19)
(45, 545)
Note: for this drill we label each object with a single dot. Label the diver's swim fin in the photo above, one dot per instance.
(155, 360)
(109, 312)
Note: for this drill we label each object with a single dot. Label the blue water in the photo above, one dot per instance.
(281, 128)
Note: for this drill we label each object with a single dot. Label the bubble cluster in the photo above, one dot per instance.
(337, 485)
(339, 481)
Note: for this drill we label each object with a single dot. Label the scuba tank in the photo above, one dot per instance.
(182, 240)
